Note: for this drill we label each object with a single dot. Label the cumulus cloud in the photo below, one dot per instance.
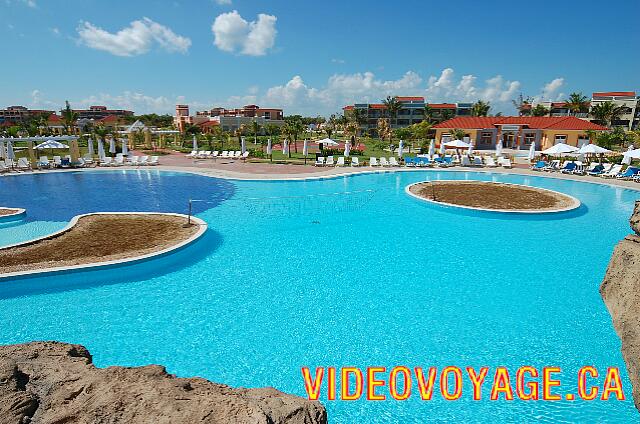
(550, 91)
(232, 33)
(448, 88)
(136, 39)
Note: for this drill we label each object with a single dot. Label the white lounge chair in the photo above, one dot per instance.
(373, 162)
(144, 160)
(57, 161)
(393, 161)
(4, 168)
(330, 161)
(238, 154)
(118, 161)
(506, 163)
(245, 155)
(23, 165)
(384, 162)
(477, 161)
(355, 162)
(215, 154)
(340, 161)
(133, 161)
(466, 161)
(611, 173)
(193, 154)
(225, 154)
(490, 162)
(106, 161)
(153, 161)
(319, 161)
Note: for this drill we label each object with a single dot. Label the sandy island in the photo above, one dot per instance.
(493, 196)
(8, 211)
(99, 238)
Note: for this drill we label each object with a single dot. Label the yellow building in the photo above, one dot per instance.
(518, 131)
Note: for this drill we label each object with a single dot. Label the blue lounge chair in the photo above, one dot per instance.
(628, 173)
(539, 166)
(597, 170)
(568, 168)
(422, 161)
(409, 161)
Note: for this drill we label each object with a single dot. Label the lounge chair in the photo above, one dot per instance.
(88, 159)
(393, 162)
(554, 165)
(330, 161)
(23, 165)
(477, 161)
(215, 154)
(490, 162)
(569, 167)
(612, 172)
(106, 161)
(119, 161)
(144, 160)
(200, 154)
(465, 161)
(319, 161)
(579, 168)
(384, 162)
(423, 162)
(225, 154)
(57, 161)
(506, 163)
(245, 155)
(133, 161)
(4, 168)
(590, 168)
(44, 162)
(193, 154)
(153, 161)
(237, 154)
(355, 162)
(539, 166)
(373, 162)
(600, 169)
(628, 173)
(340, 161)
(409, 161)
(636, 178)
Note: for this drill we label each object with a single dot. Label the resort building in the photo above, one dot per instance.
(101, 112)
(14, 115)
(628, 100)
(228, 119)
(413, 111)
(518, 131)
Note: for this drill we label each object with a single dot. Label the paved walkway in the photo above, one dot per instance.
(237, 169)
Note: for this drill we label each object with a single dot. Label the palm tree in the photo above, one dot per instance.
(577, 103)
(447, 114)
(539, 110)
(359, 118)
(255, 129)
(384, 129)
(272, 129)
(239, 132)
(293, 128)
(523, 104)
(480, 108)
(458, 134)
(428, 114)
(69, 117)
(607, 112)
(393, 107)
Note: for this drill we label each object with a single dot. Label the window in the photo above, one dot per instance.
(560, 138)
(529, 138)
(486, 137)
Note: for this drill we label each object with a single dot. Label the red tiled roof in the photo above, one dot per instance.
(208, 124)
(442, 105)
(558, 104)
(409, 98)
(347, 108)
(54, 118)
(377, 106)
(615, 93)
(532, 122)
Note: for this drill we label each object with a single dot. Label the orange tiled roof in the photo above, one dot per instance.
(615, 93)
(410, 98)
(108, 118)
(533, 122)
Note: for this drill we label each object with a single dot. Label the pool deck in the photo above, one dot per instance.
(241, 170)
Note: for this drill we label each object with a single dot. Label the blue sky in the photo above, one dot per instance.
(311, 57)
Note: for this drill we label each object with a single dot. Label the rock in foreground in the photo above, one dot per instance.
(621, 293)
(51, 382)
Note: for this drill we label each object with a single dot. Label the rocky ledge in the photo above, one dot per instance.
(51, 382)
(621, 293)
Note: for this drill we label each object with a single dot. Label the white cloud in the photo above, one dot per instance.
(446, 88)
(550, 90)
(30, 3)
(339, 61)
(223, 2)
(136, 39)
(232, 33)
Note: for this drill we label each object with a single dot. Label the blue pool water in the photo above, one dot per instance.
(292, 274)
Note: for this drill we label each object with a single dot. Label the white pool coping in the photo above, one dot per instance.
(124, 261)
(19, 213)
(575, 203)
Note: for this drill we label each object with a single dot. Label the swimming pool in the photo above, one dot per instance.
(298, 273)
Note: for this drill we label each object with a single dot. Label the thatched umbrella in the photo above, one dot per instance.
(32, 153)
(74, 151)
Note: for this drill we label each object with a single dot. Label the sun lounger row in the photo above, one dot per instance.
(475, 161)
(329, 161)
(119, 160)
(604, 170)
(9, 165)
(226, 154)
